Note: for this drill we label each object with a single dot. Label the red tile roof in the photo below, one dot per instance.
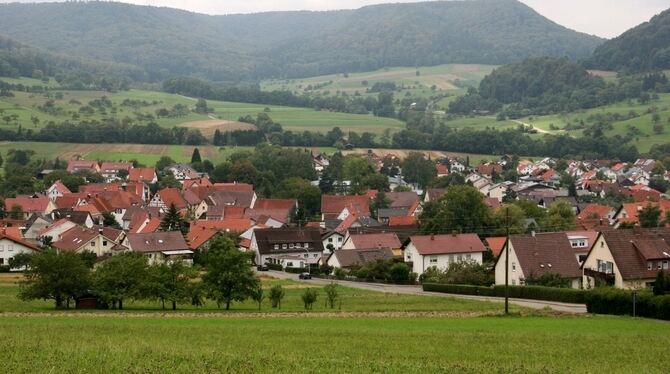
(141, 174)
(74, 165)
(402, 199)
(75, 238)
(28, 204)
(110, 167)
(171, 196)
(241, 187)
(445, 244)
(196, 237)
(402, 221)
(370, 241)
(496, 244)
(228, 225)
(336, 204)
(60, 187)
(14, 236)
(595, 211)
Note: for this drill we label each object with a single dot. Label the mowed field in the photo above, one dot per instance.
(31, 105)
(452, 79)
(370, 332)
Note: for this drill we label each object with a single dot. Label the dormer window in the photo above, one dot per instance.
(284, 246)
(276, 246)
(291, 246)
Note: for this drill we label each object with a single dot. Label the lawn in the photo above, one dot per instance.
(347, 345)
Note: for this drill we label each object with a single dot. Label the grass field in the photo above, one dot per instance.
(307, 345)
(29, 105)
(447, 79)
(644, 141)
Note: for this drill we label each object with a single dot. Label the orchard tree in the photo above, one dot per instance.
(172, 282)
(121, 277)
(461, 209)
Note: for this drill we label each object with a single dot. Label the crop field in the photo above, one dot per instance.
(35, 110)
(452, 79)
(324, 344)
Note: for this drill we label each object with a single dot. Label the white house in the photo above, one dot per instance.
(440, 251)
(10, 246)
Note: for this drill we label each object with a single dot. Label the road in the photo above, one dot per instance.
(417, 290)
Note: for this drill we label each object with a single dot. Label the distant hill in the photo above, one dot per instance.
(19, 60)
(643, 48)
(168, 42)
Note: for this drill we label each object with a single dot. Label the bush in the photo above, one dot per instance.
(276, 295)
(296, 270)
(620, 302)
(276, 267)
(309, 298)
(462, 272)
(400, 273)
(340, 273)
(331, 295)
(564, 295)
(4, 268)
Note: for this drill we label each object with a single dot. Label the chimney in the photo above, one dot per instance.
(100, 230)
(432, 237)
(454, 233)
(532, 233)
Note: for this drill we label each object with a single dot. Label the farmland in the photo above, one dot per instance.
(450, 80)
(141, 106)
(351, 344)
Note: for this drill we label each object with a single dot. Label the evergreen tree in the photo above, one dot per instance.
(195, 157)
(659, 284)
(173, 221)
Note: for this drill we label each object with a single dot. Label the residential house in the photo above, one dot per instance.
(582, 242)
(440, 251)
(340, 207)
(332, 239)
(74, 166)
(442, 170)
(434, 194)
(628, 259)
(629, 212)
(110, 170)
(30, 204)
(160, 247)
(12, 245)
(56, 190)
(79, 239)
(34, 225)
(290, 247)
(531, 256)
(597, 212)
(184, 172)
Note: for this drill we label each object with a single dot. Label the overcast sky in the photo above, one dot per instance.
(606, 18)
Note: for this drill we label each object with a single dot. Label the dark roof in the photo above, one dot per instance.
(77, 217)
(353, 257)
(230, 198)
(402, 199)
(157, 241)
(632, 249)
(381, 240)
(391, 212)
(545, 253)
(266, 239)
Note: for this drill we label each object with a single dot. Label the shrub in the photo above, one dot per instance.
(276, 295)
(340, 273)
(4, 268)
(331, 295)
(275, 267)
(400, 273)
(620, 302)
(463, 272)
(548, 280)
(309, 298)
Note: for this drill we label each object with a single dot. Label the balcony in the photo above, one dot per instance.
(607, 278)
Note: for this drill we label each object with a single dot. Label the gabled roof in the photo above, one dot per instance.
(545, 253)
(142, 175)
(196, 237)
(434, 194)
(357, 257)
(60, 187)
(226, 225)
(14, 237)
(28, 204)
(157, 242)
(172, 196)
(75, 238)
(115, 166)
(74, 165)
(336, 204)
(402, 221)
(496, 244)
(447, 244)
(369, 241)
(596, 211)
(632, 249)
(402, 199)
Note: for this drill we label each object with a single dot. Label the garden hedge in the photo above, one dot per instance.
(620, 302)
(564, 295)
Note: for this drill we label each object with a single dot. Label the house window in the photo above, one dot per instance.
(306, 245)
(460, 258)
(92, 244)
(660, 265)
(284, 246)
(468, 256)
(665, 265)
(433, 259)
(104, 243)
(2, 261)
(513, 266)
(276, 246)
(330, 240)
(306, 255)
(316, 255)
(2, 248)
(649, 265)
(289, 264)
(291, 246)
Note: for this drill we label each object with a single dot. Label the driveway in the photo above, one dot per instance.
(417, 290)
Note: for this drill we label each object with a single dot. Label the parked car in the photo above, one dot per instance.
(263, 267)
(305, 276)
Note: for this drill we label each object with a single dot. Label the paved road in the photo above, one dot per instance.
(417, 290)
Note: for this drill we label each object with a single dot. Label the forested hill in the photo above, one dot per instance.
(17, 59)
(643, 48)
(167, 42)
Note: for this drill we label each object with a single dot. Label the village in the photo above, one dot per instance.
(607, 245)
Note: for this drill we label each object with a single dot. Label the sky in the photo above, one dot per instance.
(605, 18)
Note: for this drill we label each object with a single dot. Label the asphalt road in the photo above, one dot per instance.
(417, 290)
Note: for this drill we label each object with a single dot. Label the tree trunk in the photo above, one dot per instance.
(163, 302)
(174, 305)
(120, 304)
(228, 304)
(59, 303)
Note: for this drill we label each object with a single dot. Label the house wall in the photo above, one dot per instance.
(37, 226)
(336, 240)
(98, 245)
(441, 261)
(56, 232)
(515, 272)
(601, 252)
(9, 249)
(332, 261)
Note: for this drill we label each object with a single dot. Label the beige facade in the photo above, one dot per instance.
(515, 274)
(600, 259)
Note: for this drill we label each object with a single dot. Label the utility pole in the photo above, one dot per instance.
(507, 261)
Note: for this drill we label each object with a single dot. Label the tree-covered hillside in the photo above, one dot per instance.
(167, 42)
(643, 48)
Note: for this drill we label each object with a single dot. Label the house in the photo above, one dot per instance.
(371, 241)
(629, 212)
(490, 169)
(496, 245)
(12, 245)
(402, 199)
(332, 239)
(79, 239)
(30, 204)
(442, 170)
(597, 212)
(74, 166)
(628, 259)
(538, 254)
(143, 175)
(279, 209)
(440, 251)
(340, 207)
(290, 247)
(348, 258)
(34, 225)
(110, 170)
(56, 190)
(160, 247)
(184, 172)
(434, 194)
(56, 229)
(581, 242)
(80, 218)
